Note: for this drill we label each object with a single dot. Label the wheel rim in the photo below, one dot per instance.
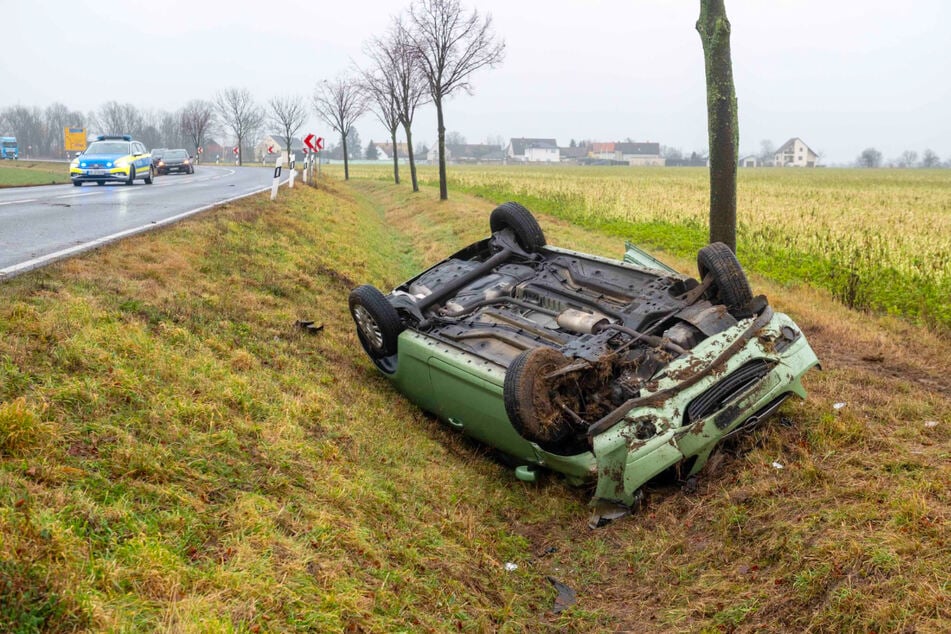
(368, 326)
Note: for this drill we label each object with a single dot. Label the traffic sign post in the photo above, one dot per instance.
(235, 150)
(277, 177)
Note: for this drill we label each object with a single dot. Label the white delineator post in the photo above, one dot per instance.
(292, 174)
(277, 177)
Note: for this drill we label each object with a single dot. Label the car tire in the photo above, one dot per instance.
(148, 179)
(520, 220)
(378, 326)
(530, 402)
(730, 286)
(131, 180)
(100, 182)
(77, 184)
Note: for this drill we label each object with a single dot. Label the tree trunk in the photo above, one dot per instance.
(240, 148)
(412, 159)
(396, 158)
(443, 187)
(723, 129)
(346, 161)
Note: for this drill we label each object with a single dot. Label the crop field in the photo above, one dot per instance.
(878, 240)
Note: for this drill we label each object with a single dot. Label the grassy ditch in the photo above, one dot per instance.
(176, 455)
(26, 173)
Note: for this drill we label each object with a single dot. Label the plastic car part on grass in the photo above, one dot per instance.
(607, 372)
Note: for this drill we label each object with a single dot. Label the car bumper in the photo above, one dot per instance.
(165, 169)
(95, 175)
(752, 382)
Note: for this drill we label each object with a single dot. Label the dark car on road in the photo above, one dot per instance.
(175, 161)
(157, 154)
(608, 372)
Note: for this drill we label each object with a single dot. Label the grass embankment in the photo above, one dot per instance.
(877, 240)
(175, 455)
(25, 173)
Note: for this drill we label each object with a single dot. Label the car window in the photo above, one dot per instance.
(176, 154)
(108, 147)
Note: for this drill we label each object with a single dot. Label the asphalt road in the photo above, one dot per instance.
(39, 225)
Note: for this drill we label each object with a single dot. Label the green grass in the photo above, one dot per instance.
(24, 173)
(175, 455)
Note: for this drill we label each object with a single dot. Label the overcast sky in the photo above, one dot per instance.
(841, 75)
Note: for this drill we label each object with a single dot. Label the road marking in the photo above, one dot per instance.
(28, 265)
(13, 202)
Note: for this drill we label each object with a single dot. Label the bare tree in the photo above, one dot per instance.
(722, 126)
(908, 158)
(381, 98)
(870, 157)
(57, 117)
(930, 160)
(26, 124)
(240, 114)
(197, 119)
(116, 118)
(392, 56)
(340, 103)
(288, 114)
(448, 47)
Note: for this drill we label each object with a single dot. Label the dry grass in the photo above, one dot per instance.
(175, 455)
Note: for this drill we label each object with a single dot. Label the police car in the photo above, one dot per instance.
(112, 158)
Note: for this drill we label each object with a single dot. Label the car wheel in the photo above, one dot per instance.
(378, 326)
(730, 286)
(77, 184)
(148, 179)
(534, 403)
(521, 221)
(131, 180)
(100, 182)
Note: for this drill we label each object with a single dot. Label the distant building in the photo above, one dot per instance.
(629, 153)
(386, 150)
(276, 142)
(573, 154)
(750, 160)
(468, 153)
(795, 153)
(525, 150)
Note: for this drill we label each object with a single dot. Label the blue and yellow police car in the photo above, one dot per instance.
(112, 158)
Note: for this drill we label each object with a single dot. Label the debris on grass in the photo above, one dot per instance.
(838, 406)
(510, 567)
(565, 598)
(308, 326)
(777, 465)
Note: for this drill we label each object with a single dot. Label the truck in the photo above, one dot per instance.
(8, 148)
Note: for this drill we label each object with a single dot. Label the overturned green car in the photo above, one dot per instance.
(604, 371)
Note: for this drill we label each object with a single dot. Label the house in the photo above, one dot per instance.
(277, 144)
(628, 153)
(639, 154)
(750, 160)
(533, 150)
(795, 153)
(468, 153)
(385, 150)
(573, 154)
